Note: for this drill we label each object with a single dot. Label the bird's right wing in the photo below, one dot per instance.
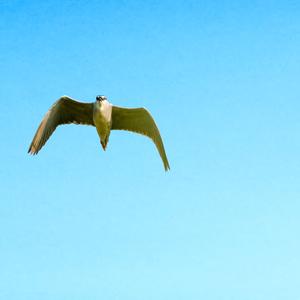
(140, 121)
(64, 111)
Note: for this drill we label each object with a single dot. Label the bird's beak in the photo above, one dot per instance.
(103, 145)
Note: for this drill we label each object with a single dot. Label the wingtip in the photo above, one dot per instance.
(31, 151)
(167, 167)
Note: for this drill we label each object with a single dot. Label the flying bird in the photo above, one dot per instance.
(101, 114)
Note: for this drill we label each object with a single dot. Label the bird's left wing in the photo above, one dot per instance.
(140, 121)
(64, 111)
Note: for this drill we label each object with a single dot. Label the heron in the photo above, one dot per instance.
(101, 114)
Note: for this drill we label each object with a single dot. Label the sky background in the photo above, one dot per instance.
(221, 79)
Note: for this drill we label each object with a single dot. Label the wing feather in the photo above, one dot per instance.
(139, 120)
(64, 111)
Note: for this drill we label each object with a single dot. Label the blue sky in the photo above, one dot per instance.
(221, 79)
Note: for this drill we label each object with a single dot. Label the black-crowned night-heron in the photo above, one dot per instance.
(101, 114)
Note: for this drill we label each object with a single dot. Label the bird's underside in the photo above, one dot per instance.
(68, 111)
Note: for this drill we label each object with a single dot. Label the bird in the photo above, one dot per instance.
(101, 114)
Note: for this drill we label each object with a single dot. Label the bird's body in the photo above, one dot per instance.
(101, 114)
(102, 120)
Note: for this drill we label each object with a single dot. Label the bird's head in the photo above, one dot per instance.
(100, 98)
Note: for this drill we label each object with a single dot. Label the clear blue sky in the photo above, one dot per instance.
(221, 78)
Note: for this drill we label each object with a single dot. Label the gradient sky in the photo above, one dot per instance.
(221, 79)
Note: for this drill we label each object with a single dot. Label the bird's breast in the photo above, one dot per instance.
(102, 114)
(106, 109)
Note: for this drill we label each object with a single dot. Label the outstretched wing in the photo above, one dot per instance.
(140, 121)
(64, 111)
